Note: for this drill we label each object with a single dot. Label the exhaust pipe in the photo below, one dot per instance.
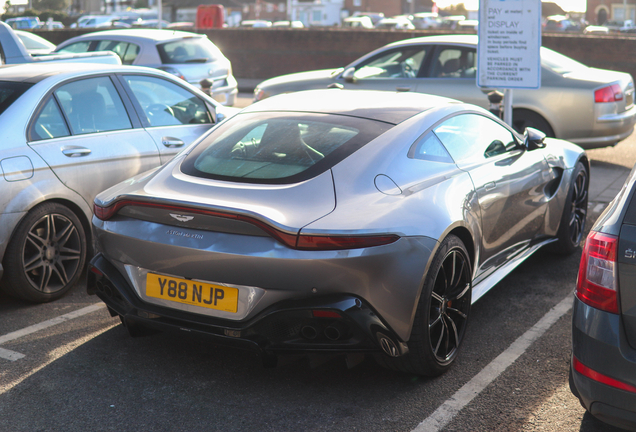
(335, 332)
(309, 332)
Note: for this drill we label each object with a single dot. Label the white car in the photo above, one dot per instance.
(190, 56)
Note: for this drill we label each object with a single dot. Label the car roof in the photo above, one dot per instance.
(159, 35)
(388, 107)
(468, 39)
(36, 72)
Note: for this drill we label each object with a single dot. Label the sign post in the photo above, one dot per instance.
(508, 49)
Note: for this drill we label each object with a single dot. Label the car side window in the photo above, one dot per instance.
(165, 103)
(93, 105)
(428, 147)
(455, 62)
(77, 47)
(127, 52)
(398, 63)
(473, 136)
(49, 123)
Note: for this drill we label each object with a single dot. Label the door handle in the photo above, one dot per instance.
(76, 151)
(172, 142)
(490, 186)
(403, 89)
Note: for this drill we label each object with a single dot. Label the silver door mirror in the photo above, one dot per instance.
(349, 75)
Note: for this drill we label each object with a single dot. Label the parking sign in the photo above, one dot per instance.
(509, 43)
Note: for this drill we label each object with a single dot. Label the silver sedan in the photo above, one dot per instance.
(337, 221)
(68, 135)
(190, 56)
(590, 107)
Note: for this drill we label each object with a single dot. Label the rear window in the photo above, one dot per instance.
(279, 147)
(189, 50)
(10, 92)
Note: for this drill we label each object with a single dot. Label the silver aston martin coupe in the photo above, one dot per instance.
(337, 221)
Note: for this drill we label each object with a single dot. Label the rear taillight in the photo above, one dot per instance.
(599, 377)
(597, 282)
(293, 241)
(611, 93)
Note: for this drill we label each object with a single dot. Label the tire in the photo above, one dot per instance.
(441, 316)
(522, 118)
(572, 225)
(46, 254)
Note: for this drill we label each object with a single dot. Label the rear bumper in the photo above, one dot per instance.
(285, 327)
(598, 342)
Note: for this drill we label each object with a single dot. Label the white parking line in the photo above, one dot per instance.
(599, 208)
(12, 355)
(449, 409)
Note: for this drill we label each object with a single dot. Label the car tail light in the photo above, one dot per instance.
(319, 313)
(597, 284)
(293, 241)
(599, 377)
(611, 93)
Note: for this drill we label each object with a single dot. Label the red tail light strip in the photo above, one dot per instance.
(611, 93)
(293, 241)
(599, 377)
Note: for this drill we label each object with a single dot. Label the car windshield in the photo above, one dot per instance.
(10, 91)
(279, 147)
(189, 50)
(559, 63)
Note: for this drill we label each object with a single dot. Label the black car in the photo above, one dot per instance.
(603, 366)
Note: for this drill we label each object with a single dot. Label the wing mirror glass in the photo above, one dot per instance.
(533, 138)
(349, 75)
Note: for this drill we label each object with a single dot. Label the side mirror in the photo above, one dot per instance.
(349, 75)
(533, 138)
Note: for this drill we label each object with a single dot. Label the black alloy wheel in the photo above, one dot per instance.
(449, 306)
(572, 225)
(46, 254)
(441, 316)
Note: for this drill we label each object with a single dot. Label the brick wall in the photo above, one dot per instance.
(265, 53)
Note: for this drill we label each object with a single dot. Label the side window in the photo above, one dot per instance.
(429, 148)
(127, 52)
(400, 63)
(131, 54)
(455, 62)
(49, 123)
(165, 103)
(473, 136)
(77, 47)
(93, 105)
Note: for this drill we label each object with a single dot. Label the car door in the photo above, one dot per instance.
(510, 183)
(452, 72)
(85, 134)
(173, 116)
(393, 70)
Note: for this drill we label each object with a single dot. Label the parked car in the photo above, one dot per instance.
(603, 363)
(426, 20)
(190, 56)
(24, 23)
(395, 23)
(592, 29)
(588, 106)
(560, 23)
(357, 22)
(337, 221)
(35, 45)
(288, 24)
(90, 21)
(69, 133)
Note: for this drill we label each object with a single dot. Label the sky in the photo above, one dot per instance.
(566, 5)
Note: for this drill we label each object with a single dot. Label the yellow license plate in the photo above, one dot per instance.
(191, 292)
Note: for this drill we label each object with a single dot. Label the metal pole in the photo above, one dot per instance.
(508, 107)
(159, 11)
